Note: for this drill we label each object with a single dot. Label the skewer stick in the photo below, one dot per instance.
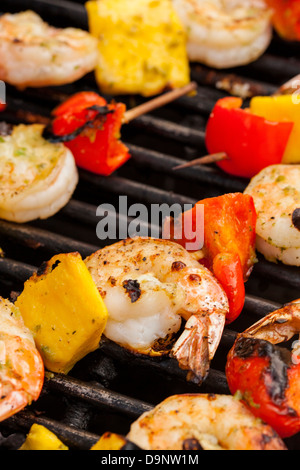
(213, 158)
(291, 86)
(144, 108)
(158, 102)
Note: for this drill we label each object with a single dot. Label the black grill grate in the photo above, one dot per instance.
(110, 388)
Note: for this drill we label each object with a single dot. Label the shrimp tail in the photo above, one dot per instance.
(192, 349)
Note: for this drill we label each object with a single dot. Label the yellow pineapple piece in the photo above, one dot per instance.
(142, 46)
(40, 438)
(64, 311)
(110, 441)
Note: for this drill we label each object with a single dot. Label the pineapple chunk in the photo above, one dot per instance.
(64, 311)
(110, 441)
(40, 438)
(142, 46)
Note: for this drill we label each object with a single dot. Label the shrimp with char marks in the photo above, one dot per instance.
(202, 422)
(276, 195)
(34, 54)
(21, 366)
(38, 178)
(225, 33)
(148, 286)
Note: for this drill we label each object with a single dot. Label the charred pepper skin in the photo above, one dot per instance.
(91, 129)
(264, 375)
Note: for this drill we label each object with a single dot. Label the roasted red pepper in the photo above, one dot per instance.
(229, 242)
(96, 147)
(286, 18)
(250, 142)
(267, 377)
(228, 270)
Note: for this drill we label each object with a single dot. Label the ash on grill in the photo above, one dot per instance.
(110, 388)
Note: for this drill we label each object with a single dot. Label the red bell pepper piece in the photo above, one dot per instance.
(286, 18)
(228, 270)
(267, 385)
(97, 148)
(229, 242)
(250, 142)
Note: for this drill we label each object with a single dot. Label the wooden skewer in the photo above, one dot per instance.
(133, 113)
(158, 102)
(213, 158)
(289, 87)
(286, 88)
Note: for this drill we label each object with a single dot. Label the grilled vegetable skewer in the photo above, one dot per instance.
(242, 142)
(91, 128)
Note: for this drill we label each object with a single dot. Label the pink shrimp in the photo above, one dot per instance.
(148, 286)
(21, 366)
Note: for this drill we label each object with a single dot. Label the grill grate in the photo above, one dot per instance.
(110, 388)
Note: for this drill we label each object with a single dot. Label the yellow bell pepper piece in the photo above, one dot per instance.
(282, 108)
(64, 311)
(142, 46)
(40, 438)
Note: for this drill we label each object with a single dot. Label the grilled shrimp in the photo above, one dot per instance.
(202, 422)
(267, 376)
(34, 54)
(225, 33)
(147, 286)
(21, 366)
(37, 177)
(276, 194)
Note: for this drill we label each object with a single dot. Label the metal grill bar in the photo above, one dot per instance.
(274, 68)
(142, 192)
(69, 12)
(231, 82)
(203, 174)
(96, 395)
(286, 275)
(216, 379)
(75, 438)
(86, 213)
(34, 237)
(170, 130)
